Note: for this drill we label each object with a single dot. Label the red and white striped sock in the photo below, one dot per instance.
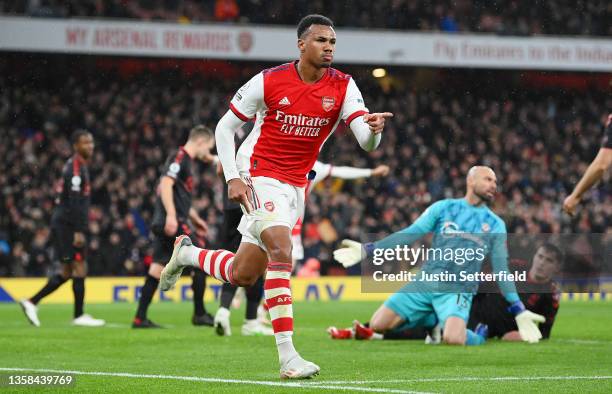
(278, 299)
(216, 263)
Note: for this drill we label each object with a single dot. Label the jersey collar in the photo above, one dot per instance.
(80, 159)
(182, 148)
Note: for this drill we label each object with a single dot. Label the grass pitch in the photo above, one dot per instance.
(183, 358)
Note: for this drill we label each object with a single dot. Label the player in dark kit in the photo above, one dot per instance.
(174, 216)
(595, 172)
(69, 225)
(540, 294)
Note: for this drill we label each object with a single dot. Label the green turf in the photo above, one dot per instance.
(581, 347)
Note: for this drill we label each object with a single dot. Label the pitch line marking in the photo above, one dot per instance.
(583, 341)
(320, 385)
(464, 379)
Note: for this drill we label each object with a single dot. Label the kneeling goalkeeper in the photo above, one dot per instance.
(455, 223)
(489, 315)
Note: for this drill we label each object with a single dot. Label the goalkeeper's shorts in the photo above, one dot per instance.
(429, 309)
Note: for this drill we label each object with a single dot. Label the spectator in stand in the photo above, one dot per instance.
(539, 141)
(554, 17)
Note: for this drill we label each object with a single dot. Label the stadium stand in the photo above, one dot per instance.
(510, 17)
(538, 140)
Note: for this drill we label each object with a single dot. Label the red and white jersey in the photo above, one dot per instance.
(292, 120)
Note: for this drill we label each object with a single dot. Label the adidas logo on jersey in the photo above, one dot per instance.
(284, 101)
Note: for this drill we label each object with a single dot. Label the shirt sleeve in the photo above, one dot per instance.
(426, 223)
(322, 170)
(499, 261)
(350, 172)
(548, 308)
(249, 99)
(353, 105)
(79, 202)
(172, 168)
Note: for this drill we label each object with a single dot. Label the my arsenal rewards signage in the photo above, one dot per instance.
(248, 42)
(125, 38)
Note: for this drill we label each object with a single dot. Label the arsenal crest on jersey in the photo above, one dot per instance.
(328, 103)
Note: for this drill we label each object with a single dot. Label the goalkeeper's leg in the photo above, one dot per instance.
(453, 311)
(403, 310)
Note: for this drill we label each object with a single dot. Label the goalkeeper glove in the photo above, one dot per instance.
(527, 322)
(352, 252)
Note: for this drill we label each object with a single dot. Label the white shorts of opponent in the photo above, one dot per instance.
(275, 203)
(297, 253)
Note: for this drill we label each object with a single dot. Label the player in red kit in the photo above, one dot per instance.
(296, 107)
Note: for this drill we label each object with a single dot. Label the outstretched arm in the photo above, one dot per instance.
(365, 126)
(324, 170)
(352, 252)
(593, 174)
(425, 224)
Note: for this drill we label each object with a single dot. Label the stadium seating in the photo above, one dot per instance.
(501, 17)
(538, 140)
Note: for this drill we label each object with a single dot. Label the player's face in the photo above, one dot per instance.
(317, 45)
(486, 185)
(85, 146)
(544, 265)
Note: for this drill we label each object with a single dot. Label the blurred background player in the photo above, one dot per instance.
(69, 226)
(489, 310)
(268, 177)
(321, 171)
(174, 216)
(594, 172)
(420, 304)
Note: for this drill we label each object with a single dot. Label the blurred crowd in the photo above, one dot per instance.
(538, 142)
(509, 17)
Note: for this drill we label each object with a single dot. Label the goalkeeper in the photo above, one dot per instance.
(540, 294)
(456, 223)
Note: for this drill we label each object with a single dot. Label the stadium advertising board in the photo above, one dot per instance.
(250, 42)
(127, 289)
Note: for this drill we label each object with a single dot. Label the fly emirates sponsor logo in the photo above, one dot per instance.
(301, 125)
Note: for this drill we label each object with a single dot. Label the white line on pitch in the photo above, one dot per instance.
(464, 379)
(321, 385)
(583, 341)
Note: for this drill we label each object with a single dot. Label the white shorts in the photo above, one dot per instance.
(275, 203)
(297, 253)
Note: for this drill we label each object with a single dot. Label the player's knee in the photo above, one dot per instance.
(280, 253)
(378, 326)
(243, 278)
(155, 270)
(66, 272)
(453, 338)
